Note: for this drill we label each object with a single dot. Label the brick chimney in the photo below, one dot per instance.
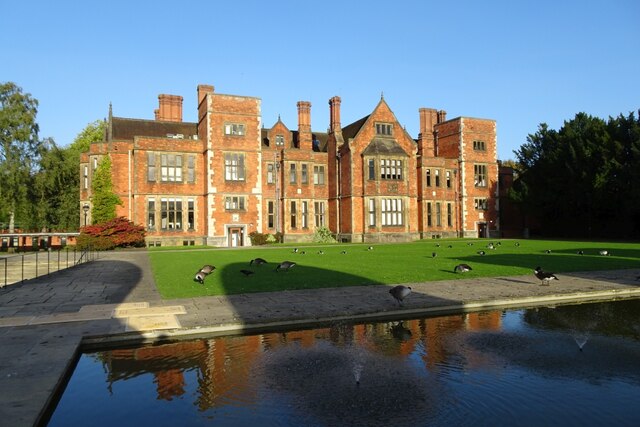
(334, 114)
(304, 125)
(442, 116)
(203, 90)
(170, 108)
(426, 144)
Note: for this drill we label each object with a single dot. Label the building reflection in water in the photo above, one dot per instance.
(223, 366)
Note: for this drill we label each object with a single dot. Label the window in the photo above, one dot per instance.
(449, 215)
(448, 179)
(391, 211)
(429, 215)
(438, 215)
(305, 214)
(234, 203)
(236, 129)
(319, 208)
(151, 166)
(292, 173)
(390, 169)
(437, 173)
(234, 167)
(428, 177)
(279, 140)
(480, 175)
(191, 168)
(372, 212)
(270, 213)
(191, 214)
(304, 174)
(95, 163)
(481, 204)
(372, 169)
(318, 175)
(171, 168)
(294, 214)
(151, 214)
(171, 214)
(479, 145)
(86, 177)
(384, 128)
(270, 175)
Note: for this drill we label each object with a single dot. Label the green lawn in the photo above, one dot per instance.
(385, 264)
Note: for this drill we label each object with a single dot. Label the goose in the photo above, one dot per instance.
(285, 265)
(320, 252)
(482, 253)
(544, 276)
(295, 250)
(433, 254)
(257, 261)
(450, 246)
(343, 252)
(604, 253)
(400, 292)
(203, 272)
(517, 243)
(246, 272)
(580, 252)
(548, 251)
(462, 268)
(370, 248)
(490, 246)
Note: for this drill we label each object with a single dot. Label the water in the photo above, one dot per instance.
(568, 365)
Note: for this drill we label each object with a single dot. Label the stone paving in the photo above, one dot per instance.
(45, 322)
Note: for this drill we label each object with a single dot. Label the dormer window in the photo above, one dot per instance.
(279, 140)
(384, 129)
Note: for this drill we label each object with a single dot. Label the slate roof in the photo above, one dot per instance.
(384, 147)
(127, 129)
(350, 131)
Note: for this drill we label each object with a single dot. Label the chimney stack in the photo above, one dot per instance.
(170, 108)
(428, 119)
(334, 114)
(203, 90)
(304, 125)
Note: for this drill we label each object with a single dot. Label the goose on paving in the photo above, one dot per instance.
(203, 272)
(462, 268)
(285, 265)
(257, 261)
(400, 292)
(544, 276)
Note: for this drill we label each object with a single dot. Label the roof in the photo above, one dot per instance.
(384, 147)
(129, 128)
(350, 131)
(319, 139)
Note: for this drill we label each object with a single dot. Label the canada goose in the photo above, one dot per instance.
(433, 254)
(604, 253)
(203, 272)
(343, 252)
(370, 248)
(517, 243)
(295, 250)
(320, 252)
(302, 252)
(544, 276)
(450, 246)
(548, 251)
(285, 265)
(490, 246)
(246, 272)
(257, 261)
(437, 245)
(482, 253)
(469, 244)
(400, 292)
(580, 252)
(462, 268)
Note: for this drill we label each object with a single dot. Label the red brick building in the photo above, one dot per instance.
(215, 181)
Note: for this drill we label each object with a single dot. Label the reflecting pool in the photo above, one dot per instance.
(568, 365)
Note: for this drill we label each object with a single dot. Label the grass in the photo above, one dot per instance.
(385, 264)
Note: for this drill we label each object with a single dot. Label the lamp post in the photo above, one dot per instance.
(85, 208)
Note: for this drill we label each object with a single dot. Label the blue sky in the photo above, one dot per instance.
(521, 63)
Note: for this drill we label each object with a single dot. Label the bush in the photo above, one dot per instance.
(258, 239)
(115, 233)
(323, 235)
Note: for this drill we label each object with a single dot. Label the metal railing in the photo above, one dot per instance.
(29, 265)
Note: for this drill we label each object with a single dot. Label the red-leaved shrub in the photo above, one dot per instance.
(115, 233)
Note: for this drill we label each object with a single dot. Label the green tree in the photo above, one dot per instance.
(20, 149)
(104, 199)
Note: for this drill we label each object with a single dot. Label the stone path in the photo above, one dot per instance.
(45, 321)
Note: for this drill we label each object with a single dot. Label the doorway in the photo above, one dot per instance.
(482, 229)
(235, 237)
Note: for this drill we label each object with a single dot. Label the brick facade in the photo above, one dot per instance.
(215, 181)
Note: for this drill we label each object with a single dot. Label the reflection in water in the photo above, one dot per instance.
(480, 368)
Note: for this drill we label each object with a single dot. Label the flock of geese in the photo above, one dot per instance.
(399, 292)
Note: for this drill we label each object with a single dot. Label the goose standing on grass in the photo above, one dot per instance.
(482, 253)
(544, 276)
(202, 273)
(285, 265)
(548, 251)
(580, 252)
(433, 254)
(400, 292)
(370, 248)
(462, 268)
(257, 261)
(604, 253)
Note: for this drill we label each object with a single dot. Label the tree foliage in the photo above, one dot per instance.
(104, 199)
(581, 181)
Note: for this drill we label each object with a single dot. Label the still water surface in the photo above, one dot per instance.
(568, 365)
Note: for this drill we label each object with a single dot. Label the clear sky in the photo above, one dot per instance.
(521, 63)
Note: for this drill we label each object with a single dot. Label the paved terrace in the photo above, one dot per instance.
(45, 322)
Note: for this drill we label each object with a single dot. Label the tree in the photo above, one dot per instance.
(104, 199)
(20, 149)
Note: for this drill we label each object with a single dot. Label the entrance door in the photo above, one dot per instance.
(235, 237)
(482, 229)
